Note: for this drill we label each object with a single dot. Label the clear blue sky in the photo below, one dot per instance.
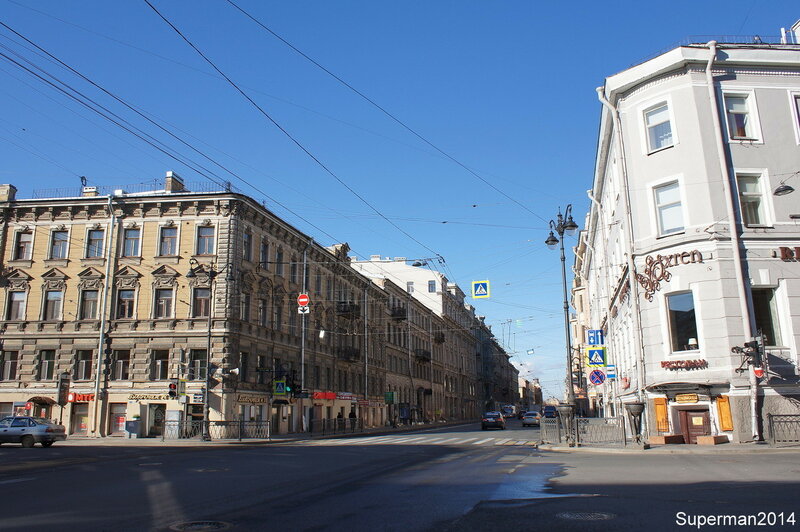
(506, 88)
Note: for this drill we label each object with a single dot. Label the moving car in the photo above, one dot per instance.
(549, 411)
(30, 430)
(530, 419)
(493, 420)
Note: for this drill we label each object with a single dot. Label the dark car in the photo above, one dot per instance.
(493, 420)
(30, 430)
(549, 411)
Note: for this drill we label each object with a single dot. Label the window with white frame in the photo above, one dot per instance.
(205, 240)
(23, 248)
(168, 242)
(163, 303)
(83, 365)
(279, 262)
(431, 286)
(201, 302)
(159, 369)
(16, 306)
(53, 300)
(197, 364)
(741, 125)
(130, 242)
(766, 315)
(88, 306)
(94, 243)
(682, 321)
(121, 365)
(668, 208)
(126, 301)
(797, 109)
(751, 199)
(245, 308)
(58, 244)
(247, 245)
(263, 254)
(47, 364)
(8, 365)
(659, 127)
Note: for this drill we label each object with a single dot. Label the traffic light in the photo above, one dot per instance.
(107, 348)
(173, 388)
(63, 388)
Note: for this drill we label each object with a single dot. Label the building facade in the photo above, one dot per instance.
(687, 254)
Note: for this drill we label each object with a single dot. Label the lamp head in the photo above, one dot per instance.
(551, 241)
(783, 189)
(190, 274)
(570, 227)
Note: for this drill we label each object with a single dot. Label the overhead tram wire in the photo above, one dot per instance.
(285, 132)
(384, 111)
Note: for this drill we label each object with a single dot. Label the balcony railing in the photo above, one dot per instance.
(348, 353)
(398, 313)
(347, 309)
(422, 354)
(439, 339)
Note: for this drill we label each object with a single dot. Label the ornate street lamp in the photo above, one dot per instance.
(565, 225)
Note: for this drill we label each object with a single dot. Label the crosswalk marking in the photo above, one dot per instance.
(502, 442)
(482, 441)
(418, 440)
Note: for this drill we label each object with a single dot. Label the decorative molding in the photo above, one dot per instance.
(127, 278)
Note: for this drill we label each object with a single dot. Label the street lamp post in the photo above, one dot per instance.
(212, 273)
(564, 225)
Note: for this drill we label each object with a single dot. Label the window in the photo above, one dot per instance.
(261, 374)
(797, 108)
(58, 244)
(159, 370)
(659, 128)
(126, 300)
(16, 306)
(205, 240)
(279, 262)
(431, 286)
(197, 365)
(318, 283)
(410, 287)
(168, 244)
(94, 243)
(83, 365)
(668, 206)
(263, 255)
(682, 321)
(52, 304)
(24, 246)
(244, 360)
(201, 302)
(766, 315)
(740, 124)
(120, 365)
(47, 364)
(245, 310)
(263, 312)
(293, 267)
(88, 308)
(751, 200)
(130, 242)
(247, 245)
(163, 306)
(278, 321)
(8, 365)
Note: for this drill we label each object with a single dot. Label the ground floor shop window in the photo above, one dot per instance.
(80, 419)
(5, 409)
(116, 419)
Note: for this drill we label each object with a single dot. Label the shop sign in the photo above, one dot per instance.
(657, 269)
(252, 398)
(324, 395)
(684, 398)
(789, 254)
(684, 364)
(80, 397)
(197, 399)
(345, 396)
(363, 402)
(148, 397)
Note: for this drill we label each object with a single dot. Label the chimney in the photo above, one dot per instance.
(173, 183)
(8, 193)
(89, 192)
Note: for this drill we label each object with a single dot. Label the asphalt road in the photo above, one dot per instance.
(449, 479)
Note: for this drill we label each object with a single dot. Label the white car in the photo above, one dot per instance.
(30, 430)
(530, 419)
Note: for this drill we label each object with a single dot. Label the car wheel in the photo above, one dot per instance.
(47, 443)
(28, 442)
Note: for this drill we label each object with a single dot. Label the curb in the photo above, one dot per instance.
(671, 449)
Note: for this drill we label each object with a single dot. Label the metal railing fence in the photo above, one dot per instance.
(600, 430)
(784, 429)
(217, 430)
(550, 429)
(336, 426)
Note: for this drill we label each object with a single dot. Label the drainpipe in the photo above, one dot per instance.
(636, 311)
(112, 227)
(729, 187)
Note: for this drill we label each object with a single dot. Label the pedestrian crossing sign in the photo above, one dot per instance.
(279, 387)
(596, 356)
(480, 289)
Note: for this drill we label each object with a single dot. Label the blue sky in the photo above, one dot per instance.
(505, 88)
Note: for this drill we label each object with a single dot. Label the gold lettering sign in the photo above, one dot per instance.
(251, 398)
(686, 398)
(657, 269)
(148, 397)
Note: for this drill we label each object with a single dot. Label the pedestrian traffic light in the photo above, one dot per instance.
(107, 347)
(173, 388)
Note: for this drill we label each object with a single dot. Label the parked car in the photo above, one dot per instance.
(30, 430)
(549, 411)
(530, 419)
(493, 420)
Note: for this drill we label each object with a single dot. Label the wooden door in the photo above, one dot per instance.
(695, 423)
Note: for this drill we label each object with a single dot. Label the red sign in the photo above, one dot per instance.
(303, 300)
(759, 372)
(80, 397)
(324, 395)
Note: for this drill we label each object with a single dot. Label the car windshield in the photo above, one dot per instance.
(492, 414)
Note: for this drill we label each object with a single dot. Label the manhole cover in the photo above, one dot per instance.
(201, 525)
(586, 516)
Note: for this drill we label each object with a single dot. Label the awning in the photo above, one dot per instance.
(280, 402)
(680, 387)
(39, 400)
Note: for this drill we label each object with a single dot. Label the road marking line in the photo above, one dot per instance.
(502, 442)
(13, 480)
(481, 442)
(445, 440)
(466, 441)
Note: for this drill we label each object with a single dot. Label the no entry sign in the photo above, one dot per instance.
(303, 300)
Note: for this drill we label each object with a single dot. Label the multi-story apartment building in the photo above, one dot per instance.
(687, 252)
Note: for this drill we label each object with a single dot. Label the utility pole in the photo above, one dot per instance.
(96, 412)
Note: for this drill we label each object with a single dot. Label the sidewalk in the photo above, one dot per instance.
(115, 441)
(725, 448)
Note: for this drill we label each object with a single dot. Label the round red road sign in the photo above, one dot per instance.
(303, 300)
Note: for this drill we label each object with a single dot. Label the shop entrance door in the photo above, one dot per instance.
(157, 414)
(695, 423)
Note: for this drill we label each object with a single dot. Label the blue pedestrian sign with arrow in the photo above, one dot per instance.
(596, 356)
(279, 387)
(595, 337)
(597, 377)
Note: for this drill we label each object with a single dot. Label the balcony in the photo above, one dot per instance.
(398, 313)
(439, 338)
(347, 309)
(348, 353)
(423, 354)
